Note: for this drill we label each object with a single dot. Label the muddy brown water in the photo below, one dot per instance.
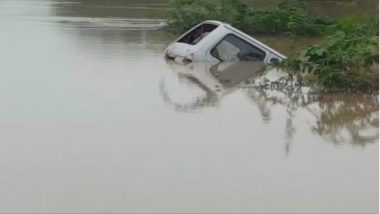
(93, 119)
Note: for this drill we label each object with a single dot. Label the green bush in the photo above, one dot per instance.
(286, 21)
(289, 18)
(345, 60)
(187, 13)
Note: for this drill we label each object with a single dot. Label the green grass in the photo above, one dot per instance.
(342, 61)
(289, 17)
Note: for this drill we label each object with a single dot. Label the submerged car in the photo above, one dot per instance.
(215, 41)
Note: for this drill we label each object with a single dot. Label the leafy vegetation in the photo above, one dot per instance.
(290, 17)
(345, 60)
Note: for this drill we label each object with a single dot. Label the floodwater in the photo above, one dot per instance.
(93, 119)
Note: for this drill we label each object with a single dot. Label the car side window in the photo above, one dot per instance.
(233, 48)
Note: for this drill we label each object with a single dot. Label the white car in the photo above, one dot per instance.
(214, 41)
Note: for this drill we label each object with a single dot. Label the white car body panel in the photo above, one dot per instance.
(201, 51)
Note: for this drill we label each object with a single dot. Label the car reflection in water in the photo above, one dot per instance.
(215, 80)
(339, 118)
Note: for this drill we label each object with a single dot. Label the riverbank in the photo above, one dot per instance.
(342, 60)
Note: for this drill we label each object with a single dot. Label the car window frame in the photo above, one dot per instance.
(193, 29)
(239, 37)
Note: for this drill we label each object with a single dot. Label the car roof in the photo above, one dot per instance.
(244, 35)
(214, 22)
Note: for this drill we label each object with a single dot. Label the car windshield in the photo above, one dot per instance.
(196, 35)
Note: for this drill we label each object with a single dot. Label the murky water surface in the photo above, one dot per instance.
(93, 119)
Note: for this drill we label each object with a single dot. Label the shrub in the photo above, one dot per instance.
(289, 18)
(345, 60)
(187, 13)
(286, 21)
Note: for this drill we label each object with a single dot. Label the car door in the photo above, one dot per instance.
(233, 48)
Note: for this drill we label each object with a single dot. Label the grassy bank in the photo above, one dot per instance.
(346, 60)
(343, 61)
(290, 17)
